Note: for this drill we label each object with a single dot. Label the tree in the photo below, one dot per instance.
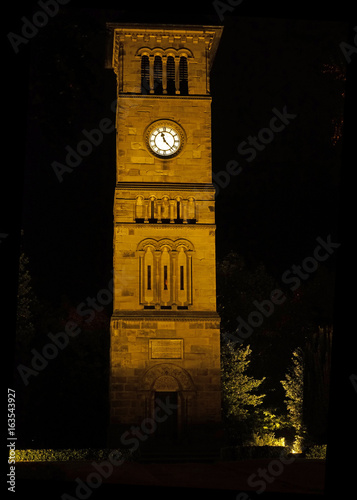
(238, 389)
(294, 392)
(317, 360)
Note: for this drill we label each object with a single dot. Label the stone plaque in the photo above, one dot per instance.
(166, 348)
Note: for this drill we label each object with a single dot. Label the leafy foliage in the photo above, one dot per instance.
(294, 391)
(65, 455)
(317, 451)
(266, 439)
(238, 387)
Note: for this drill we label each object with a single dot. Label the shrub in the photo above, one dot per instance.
(50, 455)
(265, 439)
(317, 451)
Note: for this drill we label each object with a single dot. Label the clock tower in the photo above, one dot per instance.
(165, 330)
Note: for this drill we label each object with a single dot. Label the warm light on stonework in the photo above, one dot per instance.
(164, 327)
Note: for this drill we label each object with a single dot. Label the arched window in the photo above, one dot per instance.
(148, 275)
(145, 75)
(182, 276)
(158, 75)
(153, 79)
(170, 71)
(183, 76)
(165, 274)
(165, 288)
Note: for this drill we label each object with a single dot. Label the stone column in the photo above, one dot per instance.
(151, 62)
(177, 75)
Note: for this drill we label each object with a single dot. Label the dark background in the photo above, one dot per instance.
(271, 213)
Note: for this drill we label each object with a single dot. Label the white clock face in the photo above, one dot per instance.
(164, 141)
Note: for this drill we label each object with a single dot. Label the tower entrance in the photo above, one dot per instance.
(167, 431)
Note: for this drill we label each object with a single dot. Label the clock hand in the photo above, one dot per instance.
(163, 137)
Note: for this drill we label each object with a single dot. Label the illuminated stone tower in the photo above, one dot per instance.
(165, 337)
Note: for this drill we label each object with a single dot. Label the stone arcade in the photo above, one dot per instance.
(165, 336)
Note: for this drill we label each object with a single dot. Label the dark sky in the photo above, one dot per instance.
(272, 212)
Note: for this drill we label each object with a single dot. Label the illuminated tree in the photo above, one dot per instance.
(294, 393)
(239, 397)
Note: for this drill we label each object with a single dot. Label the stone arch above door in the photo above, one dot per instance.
(166, 383)
(157, 372)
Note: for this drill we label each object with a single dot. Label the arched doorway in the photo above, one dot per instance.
(169, 397)
(166, 408)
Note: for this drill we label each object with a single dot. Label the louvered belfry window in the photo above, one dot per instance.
(158, 78)
(170, 71)
(183, 76)
(145, 75)
(158, 75)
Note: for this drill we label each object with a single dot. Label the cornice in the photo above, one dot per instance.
(167, 186)
(153, 315)
(166, 227)
(122, 95)
(209, 35)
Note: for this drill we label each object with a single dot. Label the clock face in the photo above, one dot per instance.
(165, 139)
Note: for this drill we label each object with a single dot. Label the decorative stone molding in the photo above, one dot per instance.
(158, 51)
(159, 244)
(181, 376)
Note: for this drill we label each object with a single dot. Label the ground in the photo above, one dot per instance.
(302, 476)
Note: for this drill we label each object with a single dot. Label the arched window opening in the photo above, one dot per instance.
(164, 77)
(145, 75)
(182, 276)
(165, 277)
(148, 268)
(170, 71)
(158, 89)
(149, 278)
(183, 74)
(165, 274)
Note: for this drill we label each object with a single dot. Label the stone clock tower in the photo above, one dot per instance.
(165, 336)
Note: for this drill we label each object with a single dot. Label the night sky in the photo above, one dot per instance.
(272, 212)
